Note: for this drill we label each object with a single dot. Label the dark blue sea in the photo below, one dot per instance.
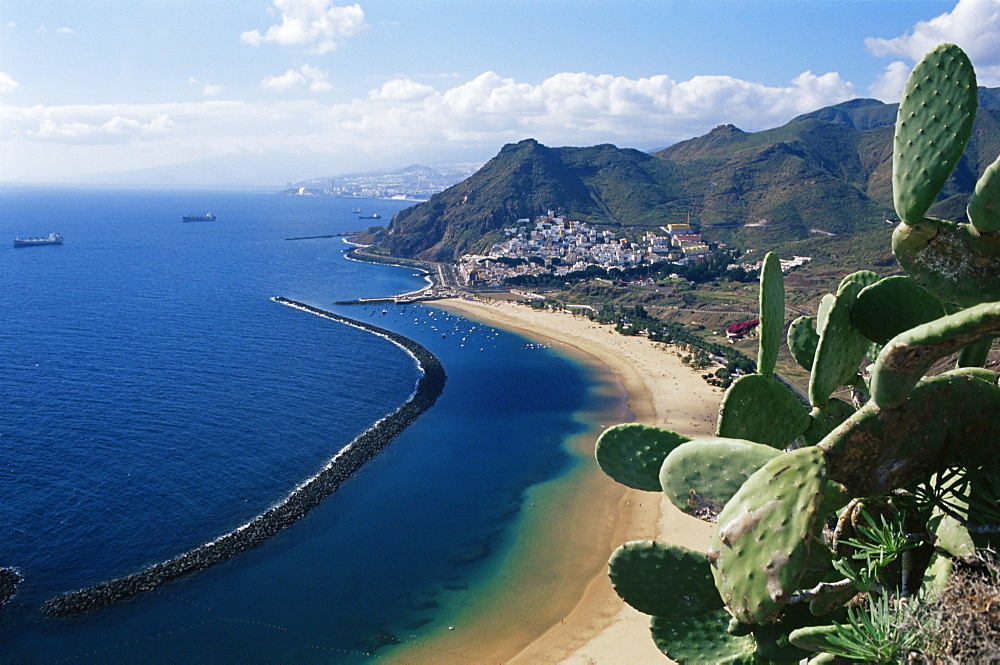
(153, 398)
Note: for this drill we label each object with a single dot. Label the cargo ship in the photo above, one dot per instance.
(374, 215)
(51, 239)
(207, 217)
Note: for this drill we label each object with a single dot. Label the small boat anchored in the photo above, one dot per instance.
(51, 239)
(207, 217)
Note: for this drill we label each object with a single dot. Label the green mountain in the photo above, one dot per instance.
(825, 172)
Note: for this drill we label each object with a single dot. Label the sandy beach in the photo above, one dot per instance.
(554, 603)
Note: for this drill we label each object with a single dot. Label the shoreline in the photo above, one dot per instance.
(294, 506)
(552, 601)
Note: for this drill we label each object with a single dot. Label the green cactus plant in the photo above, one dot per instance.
(984, 207)
(702, 477)
(703, 640)
(772, 313)
(920, 447)
(633, 453)
(663, 580)
(759, 407)
(942, 84)
(761, 544)
(892, 306)
(803, 340)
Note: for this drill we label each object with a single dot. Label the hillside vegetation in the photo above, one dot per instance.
(823, 173)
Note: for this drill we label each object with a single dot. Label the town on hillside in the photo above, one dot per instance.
(554, 245)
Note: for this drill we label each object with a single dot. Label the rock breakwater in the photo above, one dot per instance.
(9, 579)
(293, 507)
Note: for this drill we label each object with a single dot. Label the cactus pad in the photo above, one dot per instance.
(841, 347)
(933, 124)
(759, 407)
(862, 277)
(761, 544)
(984, 207)
(906, 358)
(813, 638)
(700, 477)
(773, 644)
(952, 261)
(824, 419)
(633, 453)
(772, 313)
(946, 420)
(703, 640)
(802, 341)
(663, 580)
(950, 536)
(891, 306)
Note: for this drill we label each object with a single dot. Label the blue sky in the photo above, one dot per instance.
(271, 91)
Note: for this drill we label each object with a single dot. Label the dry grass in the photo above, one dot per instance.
(962, 626)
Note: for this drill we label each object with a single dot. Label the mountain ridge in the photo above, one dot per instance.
(827, 171)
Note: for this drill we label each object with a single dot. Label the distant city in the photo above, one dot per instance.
(554, 245)
(413, 183)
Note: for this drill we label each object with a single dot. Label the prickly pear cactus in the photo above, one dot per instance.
(700, 477)
(760, 548)
(759, 407)
(792, 488)
(663, 580)
(984, 208)
(633, 453)
(925, 153)
(772, 313)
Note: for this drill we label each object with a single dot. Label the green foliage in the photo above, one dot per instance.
(703, 640)
(984, 207)
(759, 407)
(874, 634)
(925, 153)
(725, 179)
(845, 519)
(702, 477)
(803, 340)
(772, 313)
(840, 348)
(761, 545)
(633, 453)
(663, 580)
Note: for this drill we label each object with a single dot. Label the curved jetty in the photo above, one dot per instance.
(294, 506)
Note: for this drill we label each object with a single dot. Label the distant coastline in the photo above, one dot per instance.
(299, 502)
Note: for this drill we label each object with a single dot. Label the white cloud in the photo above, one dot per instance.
(290, 80)
(889, 85)
(973, 24)
(114, 129)
(8, 84)
(571, 108)
(405, 117)
(310, 22)
(316, 79)
(65, 31)
(207, 89)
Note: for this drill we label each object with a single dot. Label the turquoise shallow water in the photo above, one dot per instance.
(156, 398)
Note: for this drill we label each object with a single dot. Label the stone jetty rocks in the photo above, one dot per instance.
(295, 505)
(9, 579)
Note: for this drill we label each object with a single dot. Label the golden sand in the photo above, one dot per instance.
(553, 603)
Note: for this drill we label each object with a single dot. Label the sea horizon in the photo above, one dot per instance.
(455, 480)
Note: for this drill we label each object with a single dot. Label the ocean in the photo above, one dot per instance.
(155, 398)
